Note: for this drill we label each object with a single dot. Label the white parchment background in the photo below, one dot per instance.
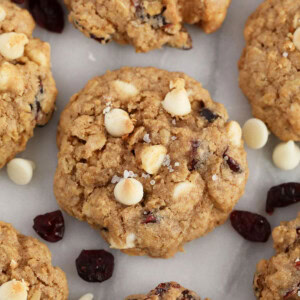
(220, 265)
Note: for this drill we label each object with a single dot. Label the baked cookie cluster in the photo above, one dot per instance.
(26, 269)
(146, 24)
(279, 277)
(167, 291)
(27, 88)
(269, 66)
(147, 158)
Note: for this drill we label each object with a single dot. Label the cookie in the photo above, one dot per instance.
(146, 24)
(167, 291)
(27, 88)
(279, 277)
(148, 159)
(26, 262)
(270, 64)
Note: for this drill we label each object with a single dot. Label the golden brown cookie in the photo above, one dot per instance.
(147, 158)
(146, 24)
(279, 277)
(25, 263)
(27, 88)
(270, 64)
(167, 291)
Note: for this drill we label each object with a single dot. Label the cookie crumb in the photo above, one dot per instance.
(92, 57)
(146, 138)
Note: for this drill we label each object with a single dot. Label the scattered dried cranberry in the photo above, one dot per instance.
(50, 226)
(232, 164)
(48, 14)
(95, 265)
(290, 294)
(282, 195)
(149, 217)
(192, 165)
(250, 226)
(162, 288)
(297, 264)
(208, 115)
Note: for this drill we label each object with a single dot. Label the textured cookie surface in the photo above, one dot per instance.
(279, 277)
(26, 259)
(167, 291)
(27, 89)
(146, 24)
(270, 66)
(192, 168)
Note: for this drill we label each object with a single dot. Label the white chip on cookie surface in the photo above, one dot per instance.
(286, 156)
(2, 13)
(125, 89)
(234, 132)
(20, 170)
(255, 133)
(152, 158)
(296, 38)
(12, 45)
(88, 296)
(118, 123)
(129, 191)
(13, 290)
(177, 101)
(182, 188)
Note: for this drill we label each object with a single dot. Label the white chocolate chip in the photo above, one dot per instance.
(124, 89)
(12, 44)
(296, 38)
(177, 101)
(130, 241)
(13, 264)
(286, 156)
(182, 188)
(129, 191)
(20, 170)
(13, 290)
(2, 14)
(234, 132)
(87, 297)
(118, 123)
(255, 133)
(152, 158)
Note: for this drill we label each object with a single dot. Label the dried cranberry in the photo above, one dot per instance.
(149, 217)
(208, 115)
(252, 227)
(192, 165)
(298, 230)
(95, 265)
(162, 288)
(48, 14)
(297, 264)
(232, 164)
(50, 226)
(282, 195)
(18, 1)
(290, 294)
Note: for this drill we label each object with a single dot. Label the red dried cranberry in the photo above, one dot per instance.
(95, 265)
(208, 115)
(162, 288)
(252, 227)
(18, 1)
(50, 226)
(149, 217)
(290, 294)
(297, 264)
(48, 14)
(282, 195)
(192, 165)
(232, 164)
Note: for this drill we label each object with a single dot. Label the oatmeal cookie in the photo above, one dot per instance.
(145, 24)
(26, 264)
(167, 291)
(147, 158)
(270, 66)
(27, 88)
(279, 277)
